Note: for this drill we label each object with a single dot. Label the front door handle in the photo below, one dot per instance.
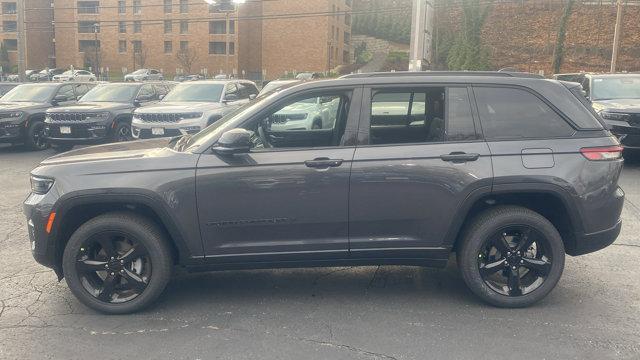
(323, 162)
(459, 157)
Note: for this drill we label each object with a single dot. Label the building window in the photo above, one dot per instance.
(85, 27)
(217, 27)
(347, 19)
(217, 48)
(347, 37)
(137, 26)
(168, 7)
(122, 27)
(168, 26)
(333, 10)
(88, 7)
(232, 48)
(348, 3)
(122, 7)
(9, 8)
(346, 58)
(212, 8)
(122, 46)
(137, 7)
(333, 32)
(137, 46)
(10, 44)
(232, 26)
(184, 26)
(84, 45)
(184, 6)
(184, 45)
(9, 26)
(168, 47)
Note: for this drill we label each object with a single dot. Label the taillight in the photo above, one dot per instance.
(602, 153)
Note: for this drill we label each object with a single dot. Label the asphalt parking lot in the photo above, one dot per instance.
(328, 313)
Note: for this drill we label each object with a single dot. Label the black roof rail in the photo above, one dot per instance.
(442, 73)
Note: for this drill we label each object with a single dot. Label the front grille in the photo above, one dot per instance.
(159, 117)
(71, 116)
(283, 118)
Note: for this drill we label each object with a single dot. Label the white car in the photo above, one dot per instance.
(309, 114)
(144, 75)
(75, 75)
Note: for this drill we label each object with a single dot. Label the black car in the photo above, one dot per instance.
(103, 114)
(616, 97)
(509, 171)
(22, 110)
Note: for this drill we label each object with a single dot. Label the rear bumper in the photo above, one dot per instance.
(589, 243)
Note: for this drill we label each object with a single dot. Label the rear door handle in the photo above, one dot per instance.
(459, 157)
(323, 162)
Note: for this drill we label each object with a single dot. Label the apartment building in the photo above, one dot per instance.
(255, 39)
(38, 16)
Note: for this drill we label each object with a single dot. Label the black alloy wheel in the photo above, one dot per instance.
(36, 137)
(118, 262)
(515, 261)
(113, 267)
(510, 256)
(122, 132)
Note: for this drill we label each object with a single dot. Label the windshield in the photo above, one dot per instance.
(35, 93)
(627, 87)
(195, 92)
(111, 93)
(138, 72)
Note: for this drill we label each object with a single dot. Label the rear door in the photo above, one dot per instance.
(419, 156)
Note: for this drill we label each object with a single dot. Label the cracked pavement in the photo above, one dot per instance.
(386, 312)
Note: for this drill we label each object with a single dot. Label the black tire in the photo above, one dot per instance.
(34, 136)
(122, 132)
(477, 236)
(62, 147)
(126, 224)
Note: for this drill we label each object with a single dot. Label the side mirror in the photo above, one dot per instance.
(234, 141)
(136, 103)
(58, 99)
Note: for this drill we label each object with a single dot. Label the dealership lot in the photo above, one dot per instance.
(328, 313)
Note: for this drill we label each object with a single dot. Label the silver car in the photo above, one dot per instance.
(190, 107)
(144, 75)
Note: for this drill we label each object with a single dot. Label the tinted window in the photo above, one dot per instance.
(146, 93)
(67, 92)
(460, 125)
(314, 121)
(509, 113)
(407, 116)
(161, 89)
(246, 90)
(82, 89)
(231, 91)
(624, 87)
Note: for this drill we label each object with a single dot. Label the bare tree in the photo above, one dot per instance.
(141, 56)
(186, 58)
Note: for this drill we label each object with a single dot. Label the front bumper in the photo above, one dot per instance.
(627, 134)
(81, 132)
(144, 130)
(44, 249)
(11, 132)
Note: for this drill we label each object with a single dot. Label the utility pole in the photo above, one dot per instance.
(96, 48)
(21, 40)
(616, 37)
(422, 16)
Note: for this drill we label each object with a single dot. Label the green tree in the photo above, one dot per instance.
(4, 59)
(467, 52)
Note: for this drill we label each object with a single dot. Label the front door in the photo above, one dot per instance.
(287, 199)
(421, 159)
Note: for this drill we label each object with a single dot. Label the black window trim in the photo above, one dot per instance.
(364, 125)
(572, 125)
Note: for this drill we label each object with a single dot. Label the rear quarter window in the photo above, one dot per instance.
(512, 113)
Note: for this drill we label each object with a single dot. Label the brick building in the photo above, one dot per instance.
(40, 51)
(257, 39)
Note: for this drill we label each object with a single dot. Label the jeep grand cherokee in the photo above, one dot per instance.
(509, 171)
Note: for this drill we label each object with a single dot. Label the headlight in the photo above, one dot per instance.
(41, 185)
(13, 114)
(190, 115)
(614, 116)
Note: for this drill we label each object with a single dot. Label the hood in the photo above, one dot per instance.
(115, 151)
(177, 107)
(617, 105)
(21, 105)
(90, 107)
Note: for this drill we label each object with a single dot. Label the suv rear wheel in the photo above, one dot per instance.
(117, 263)
(511, 256)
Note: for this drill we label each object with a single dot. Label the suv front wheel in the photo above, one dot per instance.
(511, 256)
(117, 263)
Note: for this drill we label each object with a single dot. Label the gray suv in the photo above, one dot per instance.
(509, 171)
(22, 110)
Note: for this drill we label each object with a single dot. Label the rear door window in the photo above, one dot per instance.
(432, 114)
(511, 113)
